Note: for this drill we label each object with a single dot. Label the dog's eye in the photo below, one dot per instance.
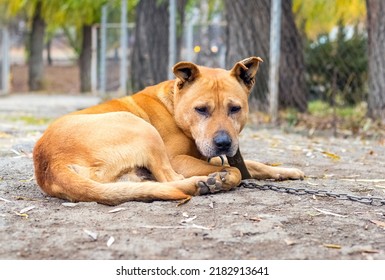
(202, 110)
(234, 109)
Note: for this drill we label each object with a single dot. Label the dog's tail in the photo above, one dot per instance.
(63, 182)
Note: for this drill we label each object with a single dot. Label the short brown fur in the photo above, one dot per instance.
(154, 145)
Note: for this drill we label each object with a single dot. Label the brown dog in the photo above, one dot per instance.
(154, 145)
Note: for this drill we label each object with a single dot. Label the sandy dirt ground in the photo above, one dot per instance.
(241, 224)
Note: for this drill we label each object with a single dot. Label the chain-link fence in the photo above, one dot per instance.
(112, 56)
(331, 67)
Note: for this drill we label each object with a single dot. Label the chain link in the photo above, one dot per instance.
(370, 200)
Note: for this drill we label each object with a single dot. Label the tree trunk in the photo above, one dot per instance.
(85, 59)
(150, 50)
(204, 55)
(181, 8)
(248, 34)
(48, 48)
(376, 36)
(292, 84)
(35, 61)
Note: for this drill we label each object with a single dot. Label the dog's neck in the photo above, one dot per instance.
(166, 96)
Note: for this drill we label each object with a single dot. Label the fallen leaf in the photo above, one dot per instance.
(26, 209)
(255, 219)
(289, 242)
(185, 221)
(91, 234)
(329, 213)
(69, 204)
(332, 246)
(24, 215)
(183, 201)
(332, 156)
(184, 214)
(274, 164)
(110, 241)
(4, 199)
(370, 251)
(378, 223)
(117, 210)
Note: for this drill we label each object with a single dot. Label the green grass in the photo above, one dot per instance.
(31, 120)
(323, 109)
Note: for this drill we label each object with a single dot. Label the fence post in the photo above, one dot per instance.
(103, 50)
(5, 61)
(123, 46)
(94, 60)
(275, 43)
(171, 38)
(191, 20)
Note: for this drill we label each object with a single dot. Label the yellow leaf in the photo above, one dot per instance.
(274, 164)
(332, 246)
(332, 156)
(24, 215)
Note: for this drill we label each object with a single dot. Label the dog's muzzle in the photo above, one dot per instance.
(222, 143)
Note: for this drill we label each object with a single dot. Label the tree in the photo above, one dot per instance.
(36, 47)
(71, 14)
(150, 51)
(248, 35)
(248, 31)
(181, 9)
(321, 16)
(35, 11)
(376, 36)
(292, 84)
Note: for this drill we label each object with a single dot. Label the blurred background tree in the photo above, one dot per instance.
(376, 35)
(150, 49)
(248, 33)
(335, 49)
(331, 50)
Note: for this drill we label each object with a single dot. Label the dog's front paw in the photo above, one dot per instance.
(289, 174)
(213, 183)
(224, 180)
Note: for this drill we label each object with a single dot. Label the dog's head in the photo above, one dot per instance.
(210, 105)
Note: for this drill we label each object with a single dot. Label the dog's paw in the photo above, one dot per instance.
(213, 183)
(224, 180)
(289, 174)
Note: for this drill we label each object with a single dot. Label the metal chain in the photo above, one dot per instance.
(370, 200)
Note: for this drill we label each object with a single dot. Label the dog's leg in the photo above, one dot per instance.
(218, 178)
(262, 171)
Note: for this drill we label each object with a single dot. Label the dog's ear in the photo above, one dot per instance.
(185, 71)
(245, 71)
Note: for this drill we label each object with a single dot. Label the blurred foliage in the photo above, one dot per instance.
(321, 118)
(321, 16)
(68, 15)
(337, 67)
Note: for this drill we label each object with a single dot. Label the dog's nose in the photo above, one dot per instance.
(222, 141)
